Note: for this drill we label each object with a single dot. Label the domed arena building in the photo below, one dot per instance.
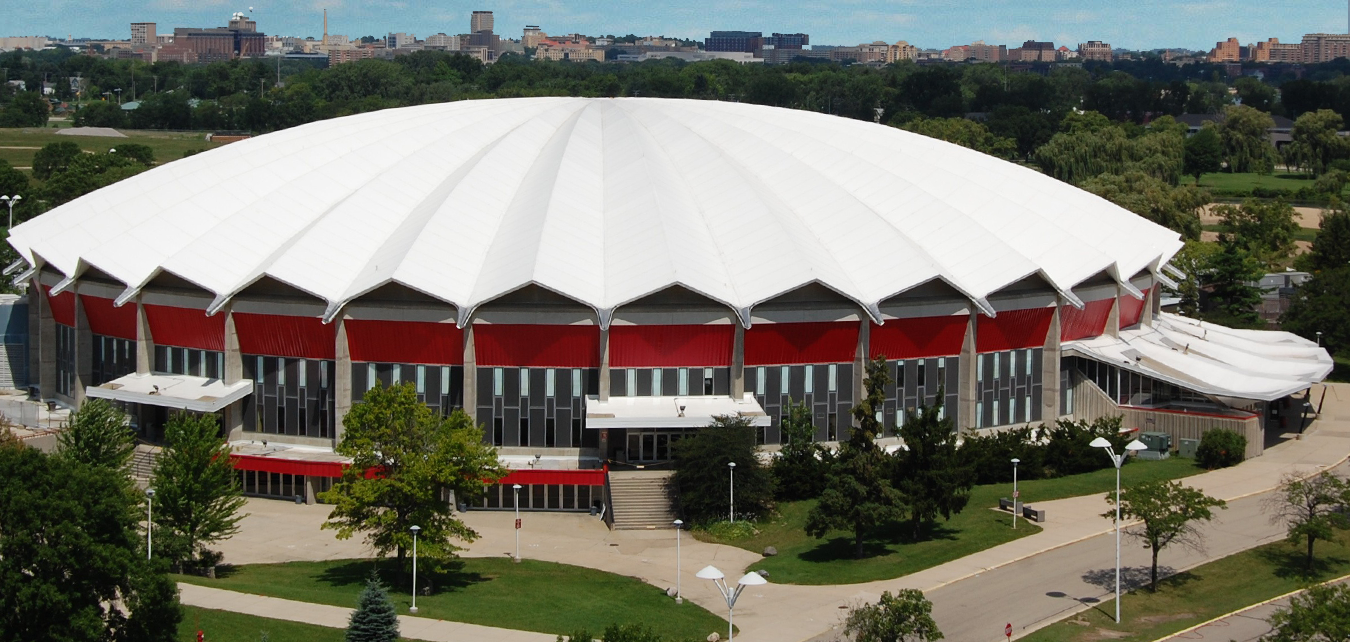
(593, 278)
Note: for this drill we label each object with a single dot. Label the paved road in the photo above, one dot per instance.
(1042, 589)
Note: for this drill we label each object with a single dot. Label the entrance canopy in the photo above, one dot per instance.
(670, 412)
(180, 392)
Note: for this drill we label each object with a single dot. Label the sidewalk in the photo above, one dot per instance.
(775, 613)
(416, 628)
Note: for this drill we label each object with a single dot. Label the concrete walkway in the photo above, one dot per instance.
(416, 628)
(279, 531)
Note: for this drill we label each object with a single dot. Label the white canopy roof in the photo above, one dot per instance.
(182, 392)
(601, 200)
(1212, 359)
(671, 412)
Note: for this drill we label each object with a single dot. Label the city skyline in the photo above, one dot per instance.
(1199, 23)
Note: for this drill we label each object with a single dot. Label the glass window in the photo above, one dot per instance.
(303, 379)
(498, 382)
(979, 367)
(372, 375)
(759, 380)
(549, 384)
(168, 360)
(1026, 406)
(995, 413)
(656, 382)
(445, 380)
(979, 414)
(281, 371)
(524, 382)
(923, 373)
(942, 372)
(323, 375)
(682, 386)
(834, 380)
(524, 431)
(576, 382)
(707, 381)
(630, 382)
(810, 380)
(784, 378)
(421, 380)
(1028, 359)
(996, 368)
(900, 378)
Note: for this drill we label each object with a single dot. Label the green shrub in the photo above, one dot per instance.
(730, 531)
(1221, 448)
(991, 456)
(630, 633)
(1069, 451)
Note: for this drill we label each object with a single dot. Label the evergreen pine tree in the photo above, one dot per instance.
(374, 619)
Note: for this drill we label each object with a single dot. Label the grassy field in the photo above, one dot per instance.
(1224, 183)
(803, 559)
(532, 596)
(224, 626)
(1303, 233)
(1203, 593)
(168, 146)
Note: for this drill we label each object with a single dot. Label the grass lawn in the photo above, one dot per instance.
(533, 596)
(168, 146)
(1222, 183)
(1203, 593)
(224, 626)
(1341, 370)
(1301, 234)
(803, 559)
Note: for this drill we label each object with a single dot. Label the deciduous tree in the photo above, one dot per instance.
(799, 471)
(1320, 614)
(1312, 508)
(1246, 140)
(906, 616)
(198, 497)
(1322, 305)
(1315, 142)
(54, 158)
(964, 132)
(1264, 228)
(1169, 512)
(1204, 153)
(98, 435)
(702, 475)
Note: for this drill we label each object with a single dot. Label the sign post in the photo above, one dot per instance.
(1007, 630)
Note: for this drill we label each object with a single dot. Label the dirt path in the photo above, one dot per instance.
(1306, 217)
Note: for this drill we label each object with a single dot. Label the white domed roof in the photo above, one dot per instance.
(601, 200)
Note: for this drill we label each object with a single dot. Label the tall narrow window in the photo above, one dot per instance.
(258, 371)
(630, 382)
(498, 432)
(979, 367)
(1028, 358)
(1012, 363)
(809, 383)
(372, 376)
(784, 380)
(498, 382)
(942, 372)
(707, 381)
(524, 431)
(445, 380)
(656, 382)
(900, 379)
(996, 370)
(576, 382)
(524, 382)
(550, 432)
(759, 380)
(923, 374)
(834, 379)
(1026, 408)
(995, 413)
(682, 385)
(303, 374)
(323, 374)
(395, 374)
(1012, 410)
(421, 380)
(549, 385)
(979, 414)
(832, 428)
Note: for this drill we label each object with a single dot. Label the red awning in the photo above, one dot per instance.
(671, 346)
(537, 346)
(185, 327)
(1132, 309)
(288, 466)
(531, 476)
(276, 335)
(1088, 322)
(789, 343)
(107, 320)
(919, 338)
(62, 305)
(405, 342)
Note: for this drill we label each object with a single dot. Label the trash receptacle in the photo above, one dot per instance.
(299, 499)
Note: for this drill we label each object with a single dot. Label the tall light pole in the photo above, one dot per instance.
(415, 529)
(679, 525)
(749, 579)
(11, 201)
(149, 521)
(731, 465)
(517, 502)
(1101, 442)
(119, 95)
(1015, 461)
(1319, 332)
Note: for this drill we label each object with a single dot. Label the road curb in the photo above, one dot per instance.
(1246, 608)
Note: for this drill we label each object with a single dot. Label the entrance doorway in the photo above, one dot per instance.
(651, 445)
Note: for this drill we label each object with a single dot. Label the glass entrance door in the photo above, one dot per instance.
(646, 446)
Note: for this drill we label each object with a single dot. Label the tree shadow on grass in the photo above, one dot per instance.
(879, 544)
(450, 576)
(837, 549)
(1291, 563)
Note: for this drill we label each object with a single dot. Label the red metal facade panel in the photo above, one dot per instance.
(285, 336)
(288, 466)
(1088, 322)
(107, 320)
(62, 305)
(185, 327)
(1013, 329)
(579, 477)
(786, 343)
(1132, 309)
(405, 342)
(669, 346)
(537, 346)
(919, 337)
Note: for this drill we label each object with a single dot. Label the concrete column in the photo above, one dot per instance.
(738, 363)
(234, 421)
(84, 351)
(966, 371)
(46, 344)
(471, 375)
(604, 365)
(234, 359)
(1050, 368)
(1113, 319)
(1150, 305)
(145, 343)
(342, 378)
(35, 303)
(309, 490)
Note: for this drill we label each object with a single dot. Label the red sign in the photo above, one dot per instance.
(1016, 493)
(1007, 630)
(517, 524)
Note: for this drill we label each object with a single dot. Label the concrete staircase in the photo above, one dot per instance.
(641, 499)
(143, 462)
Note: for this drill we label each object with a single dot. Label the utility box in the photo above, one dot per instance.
(1159, 445)
(1187, 447)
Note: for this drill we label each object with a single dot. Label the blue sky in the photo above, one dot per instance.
(1136, 24)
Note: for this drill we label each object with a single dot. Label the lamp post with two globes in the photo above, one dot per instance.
(1101, 442)
(415, 529)
(730, 594)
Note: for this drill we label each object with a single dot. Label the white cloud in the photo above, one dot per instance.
(1014, 36)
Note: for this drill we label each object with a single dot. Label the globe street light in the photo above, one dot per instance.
(149, 520)
(732, 466)
(11, 201)
(1015, 506)
(517, 502)
(749, 579)
(679, 525)
(415, 529)
(1101, 442)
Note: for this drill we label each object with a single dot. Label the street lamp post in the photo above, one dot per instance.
(1015, 506)
(1319, 332)
(517, 502)
(119, 95)
(11, 201)
(679, 525)
(149, 520)
(415, 529)
(1101, 442)
(728, 593)
(731, 465)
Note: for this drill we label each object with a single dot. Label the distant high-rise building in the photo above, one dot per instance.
(399, 40)
(1229, 50)
(1095, 50)
(143, 33)
(1033, 51)
(442, 41)
(532, 36)
(239, 40)
(745, 41)
(1325, 47)
(986, 53)
(786, 41)
(480, 21)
